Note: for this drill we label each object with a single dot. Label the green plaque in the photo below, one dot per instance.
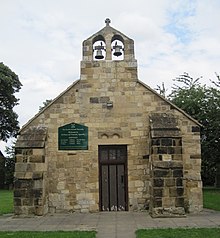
(73, 137)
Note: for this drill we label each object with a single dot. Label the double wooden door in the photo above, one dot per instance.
(113, 178)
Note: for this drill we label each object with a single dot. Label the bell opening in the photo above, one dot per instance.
(117, 50)
(99, 50)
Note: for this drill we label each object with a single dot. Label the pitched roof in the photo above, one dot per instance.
(171, 104)
(140, 82)
(106, 30)
(47, 106)
(33, 137)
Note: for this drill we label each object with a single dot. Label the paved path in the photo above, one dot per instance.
(107, 224)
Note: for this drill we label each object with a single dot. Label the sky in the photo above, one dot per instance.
(41, 41)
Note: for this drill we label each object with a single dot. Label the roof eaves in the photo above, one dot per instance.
(105, 29)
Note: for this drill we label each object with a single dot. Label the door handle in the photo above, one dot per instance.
(122, 178)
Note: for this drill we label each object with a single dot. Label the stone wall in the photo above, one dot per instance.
(167, 189)
(72, 176)
(30, 188)
(192, 167)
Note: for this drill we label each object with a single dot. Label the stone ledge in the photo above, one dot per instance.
(161, 212)
(114, 141)
(167, 164)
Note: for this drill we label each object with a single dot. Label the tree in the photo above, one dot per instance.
(216, 83)
(2, 170)
(203, 104)
(47, 102)
(10, 85)
(161, 90)
(188, 94)
(10, 165)
(217, 177)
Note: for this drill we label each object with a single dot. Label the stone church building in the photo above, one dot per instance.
(109, 143)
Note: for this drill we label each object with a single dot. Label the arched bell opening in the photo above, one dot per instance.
(117, 46)
(99, 48)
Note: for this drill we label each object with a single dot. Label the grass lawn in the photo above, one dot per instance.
(6, 201)
(211, 198)
(180, 233)
(48, 234)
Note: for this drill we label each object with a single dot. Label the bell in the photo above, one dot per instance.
(117, 49)
(99, 54)
(99, 49)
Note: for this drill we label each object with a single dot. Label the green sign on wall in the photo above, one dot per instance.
(73, 137)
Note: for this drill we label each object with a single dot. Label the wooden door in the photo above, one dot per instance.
(113, 178)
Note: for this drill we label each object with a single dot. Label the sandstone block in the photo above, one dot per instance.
(20, 167)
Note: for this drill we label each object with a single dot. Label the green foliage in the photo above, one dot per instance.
(7, 167)
(161, 89)
(217, 82)
(48, 234)
(10, 85)
(188, 95)
(2, 171)
(203, 104)
(9, 171)
(47, 102)
(6, 204)
(211, 198)
(179, 232)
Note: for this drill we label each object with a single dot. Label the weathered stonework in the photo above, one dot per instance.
(162, 168)
(31, 172)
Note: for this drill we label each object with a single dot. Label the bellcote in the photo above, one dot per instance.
(108, 44)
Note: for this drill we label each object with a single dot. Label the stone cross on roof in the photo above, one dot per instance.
(107, 21)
